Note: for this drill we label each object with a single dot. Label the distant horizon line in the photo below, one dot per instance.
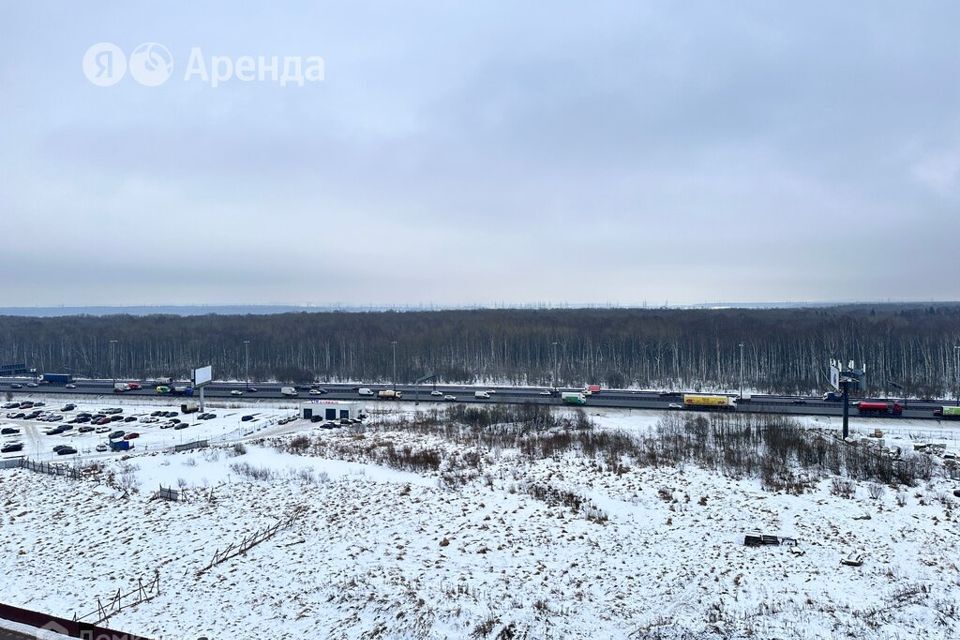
(270, 309)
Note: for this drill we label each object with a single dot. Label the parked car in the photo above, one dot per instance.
(248, 417)
(117, 434)
(182, 425)
(149, 419)
(102, 430)
(102, 447)
(16, 415)
(86, 429)
(116, 418)
(13, 447)
(11, 405)
(167, 425)
(66, 451)
(7, 431)
(60, 447)
(130, 419)
(68, 407)
(133, 435)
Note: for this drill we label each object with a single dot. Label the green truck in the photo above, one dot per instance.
(950, 413)
(573, 398)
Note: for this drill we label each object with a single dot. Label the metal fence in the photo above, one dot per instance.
(49, 468)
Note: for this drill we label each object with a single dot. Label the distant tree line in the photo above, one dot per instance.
(784, 350)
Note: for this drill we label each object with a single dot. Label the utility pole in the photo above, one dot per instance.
(246, 357)
(845, 385)
(394, 343)
(113, 360)
(555, 372)
(741, 370)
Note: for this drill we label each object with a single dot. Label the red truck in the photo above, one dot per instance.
(875, 408)
(591, 390)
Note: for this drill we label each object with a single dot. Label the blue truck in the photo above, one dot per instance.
(120, 445)
(56, 378)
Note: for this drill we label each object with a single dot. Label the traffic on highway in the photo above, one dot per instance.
(830, 404)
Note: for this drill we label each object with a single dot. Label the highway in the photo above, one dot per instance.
(612, 398)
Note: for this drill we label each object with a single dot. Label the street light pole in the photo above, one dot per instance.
(246, 357)
(113, 360)
(555, 364)
(741, 370)
(394, 343)
(956, 373)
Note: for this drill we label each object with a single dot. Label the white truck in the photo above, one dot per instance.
(290, 392)
(389, 394)
(120, 387)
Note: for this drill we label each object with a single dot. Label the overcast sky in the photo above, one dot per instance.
(486, 152)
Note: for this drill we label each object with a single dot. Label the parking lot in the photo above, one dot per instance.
(68, 429)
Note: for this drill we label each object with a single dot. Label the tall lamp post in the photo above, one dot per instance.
(741, 370)
(956, 373)
(555, 344)
(113, 360)
(394, 343)
(246, 360)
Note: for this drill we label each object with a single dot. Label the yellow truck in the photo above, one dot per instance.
(708, 401)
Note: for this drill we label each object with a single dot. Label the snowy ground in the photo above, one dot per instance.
(383, 553)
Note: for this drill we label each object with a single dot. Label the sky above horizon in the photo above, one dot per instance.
(485, 153)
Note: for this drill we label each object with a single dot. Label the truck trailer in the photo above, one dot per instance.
(573, 398)
(56, 378)
(389, 394)
(708, 401)
(948, 413)
(878, 408)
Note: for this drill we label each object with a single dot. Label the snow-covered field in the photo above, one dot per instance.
(515, 546)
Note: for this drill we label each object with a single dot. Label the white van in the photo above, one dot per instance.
(288, 391)
(364, 391)
(481, 395)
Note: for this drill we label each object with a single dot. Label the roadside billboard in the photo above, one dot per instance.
(202, 376)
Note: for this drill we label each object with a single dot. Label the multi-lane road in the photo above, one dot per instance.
(614, 398)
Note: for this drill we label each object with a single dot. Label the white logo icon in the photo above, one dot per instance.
(104, 64)
(151, 64)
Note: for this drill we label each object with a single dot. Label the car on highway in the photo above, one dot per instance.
(252, 389)
(437, 392)
(450, 398)
(799, 401)
(8, 431)
(32, 385)
(546, 392)
(13, 447)
(70, 386)
(674, 405)
(66, 451)
(317, 392)
(16, 385)
(236, 392)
